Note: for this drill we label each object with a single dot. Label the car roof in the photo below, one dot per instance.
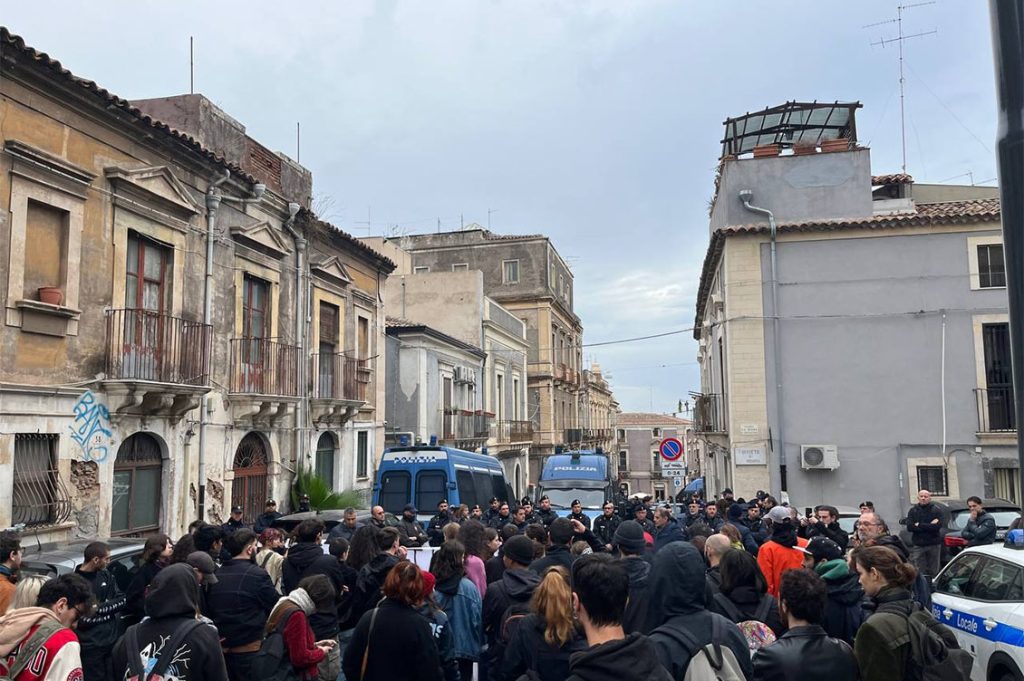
(1012, 555)
(71, 554)
(993, 503)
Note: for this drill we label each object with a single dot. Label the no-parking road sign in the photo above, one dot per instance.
(671, 449)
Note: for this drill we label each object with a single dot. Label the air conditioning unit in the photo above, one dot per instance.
(460, 374)
(819, 457)
(716, 302)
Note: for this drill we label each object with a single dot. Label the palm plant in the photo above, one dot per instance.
(321, 496)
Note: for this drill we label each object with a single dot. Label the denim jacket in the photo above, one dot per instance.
(463, 605)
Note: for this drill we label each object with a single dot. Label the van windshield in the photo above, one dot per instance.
(563, 498)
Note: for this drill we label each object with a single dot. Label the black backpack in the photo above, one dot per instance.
(511, 619)
(935, 654)
(166, 657)
(272, 662)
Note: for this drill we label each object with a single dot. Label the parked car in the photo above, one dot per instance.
(329, 518)
(53, 560)
(955, 514)
(980, 596)
(848, 516)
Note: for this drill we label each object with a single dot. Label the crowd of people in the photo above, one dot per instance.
(749, 587)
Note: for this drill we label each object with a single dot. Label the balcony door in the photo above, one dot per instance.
(447, 418)
(255, 327)
(146, 301)
(328, 369)
(998, 376)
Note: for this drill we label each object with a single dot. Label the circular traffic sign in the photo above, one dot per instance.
(671, 449)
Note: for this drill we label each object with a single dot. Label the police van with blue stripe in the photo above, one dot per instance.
(980, 596)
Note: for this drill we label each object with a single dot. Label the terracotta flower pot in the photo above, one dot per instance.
(766, 150)
(51, 295)
(841, 144)
(805, 148)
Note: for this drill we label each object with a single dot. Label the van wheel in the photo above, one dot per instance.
(1009, 676)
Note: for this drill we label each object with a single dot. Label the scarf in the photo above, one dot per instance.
(300, 598)
(15, 625)
(784, 533)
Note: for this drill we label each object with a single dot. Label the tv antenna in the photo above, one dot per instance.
(899, 40)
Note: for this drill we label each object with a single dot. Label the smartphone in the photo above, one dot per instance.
(808, 511)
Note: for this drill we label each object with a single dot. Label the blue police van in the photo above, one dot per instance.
(423, 475)
(581, 475)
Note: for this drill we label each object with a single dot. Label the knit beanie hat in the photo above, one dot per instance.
(736, 512)
(630, 536)
(519, 549)
(428, 583)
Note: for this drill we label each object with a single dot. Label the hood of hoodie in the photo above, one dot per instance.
(845, 590)
(678, 580)
(745, 595)
(302, 555)
(15, 625)
(173, 592)
(519, 584)
(380, 563)
(638, 570)
(833, 569)
(630, 658)
(450, 584)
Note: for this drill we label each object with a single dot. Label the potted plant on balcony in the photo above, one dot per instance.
(51, 295)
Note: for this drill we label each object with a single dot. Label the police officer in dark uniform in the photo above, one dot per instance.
(436, 526)
(235, 521)
(605, 526)
(529, 514)
(491, 512)
(502, 518)
(578, 514)
(545, 513)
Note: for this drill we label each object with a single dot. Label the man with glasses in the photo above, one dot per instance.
(98, 633)
(38, 643)
(606, 524)
(870, 527)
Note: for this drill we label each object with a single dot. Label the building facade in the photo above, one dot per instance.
(598, 410)
(640, 467)
(866, 346)
(526, 276)
(153, 362)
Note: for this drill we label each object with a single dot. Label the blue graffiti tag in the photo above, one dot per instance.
(91, 428)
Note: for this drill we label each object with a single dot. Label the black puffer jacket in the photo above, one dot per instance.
(678, 579)
(635, 617)
(529, 650)
(808, 654)
(630, 659)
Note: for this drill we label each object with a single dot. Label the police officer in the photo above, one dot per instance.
(606, 524)
(491, 512)
(640, 515)
(437, 523)
(409, 529)
(545, 513)
(577, 513)
(503, 517)
(530, 515)
(235, 521)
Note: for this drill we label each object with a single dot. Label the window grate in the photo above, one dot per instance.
(934, 479)
(991, 266)
(39, 496)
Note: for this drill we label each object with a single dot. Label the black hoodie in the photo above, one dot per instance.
(304, 560)
(368, 585)
(515, 586)
(173, 598)
(635, 617)
(629, 659)
(679, 581)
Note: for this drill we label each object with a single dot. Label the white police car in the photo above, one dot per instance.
(980, 596)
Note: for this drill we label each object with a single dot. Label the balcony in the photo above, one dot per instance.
(566, 376)
(264, 383)
(339, 386)
(708, 413)
(465, 429)
(576, 437)
(155, 364)
(996, 410)
(507, 432)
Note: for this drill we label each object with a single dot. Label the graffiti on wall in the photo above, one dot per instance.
(91, 428)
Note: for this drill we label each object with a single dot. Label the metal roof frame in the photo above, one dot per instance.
(790, 123)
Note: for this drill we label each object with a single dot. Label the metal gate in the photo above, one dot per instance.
(249, 489)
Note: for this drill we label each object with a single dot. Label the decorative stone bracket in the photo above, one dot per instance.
(251, 410)
(146, 398)
(333, 412)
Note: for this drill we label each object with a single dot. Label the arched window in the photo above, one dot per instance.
(249, 489)
(138, 470)
(324, 465)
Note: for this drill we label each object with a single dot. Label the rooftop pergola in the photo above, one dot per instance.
(789, 124)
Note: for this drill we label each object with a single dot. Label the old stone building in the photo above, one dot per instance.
(638, 462)
(155, 363)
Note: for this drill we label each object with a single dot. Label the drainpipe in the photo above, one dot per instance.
(212, 204)
(746, 195)
(301, 314)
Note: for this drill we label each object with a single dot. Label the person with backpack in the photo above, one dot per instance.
(38, 643)
(886, 639)
(98, 632)
(239, 603)
(629, 541)
(290, 620)
(171, 641)
(780, 552)
(600, 588)
(843, 612)
(461, 602)
(392, 640)
(805, 651)
(743, 598)
(509, 597)
(685, 634)
(543, 640)
(269, 557)
(372, 576)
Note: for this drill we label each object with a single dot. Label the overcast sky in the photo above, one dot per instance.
(596, 123)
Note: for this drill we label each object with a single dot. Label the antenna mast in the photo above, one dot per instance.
(899, 40)
(191, 67)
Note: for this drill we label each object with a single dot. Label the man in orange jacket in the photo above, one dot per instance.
(779, 554)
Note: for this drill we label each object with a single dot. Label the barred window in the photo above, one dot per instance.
(39, 497)
(933, 479)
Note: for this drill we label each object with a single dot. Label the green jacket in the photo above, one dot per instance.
(882, 645)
